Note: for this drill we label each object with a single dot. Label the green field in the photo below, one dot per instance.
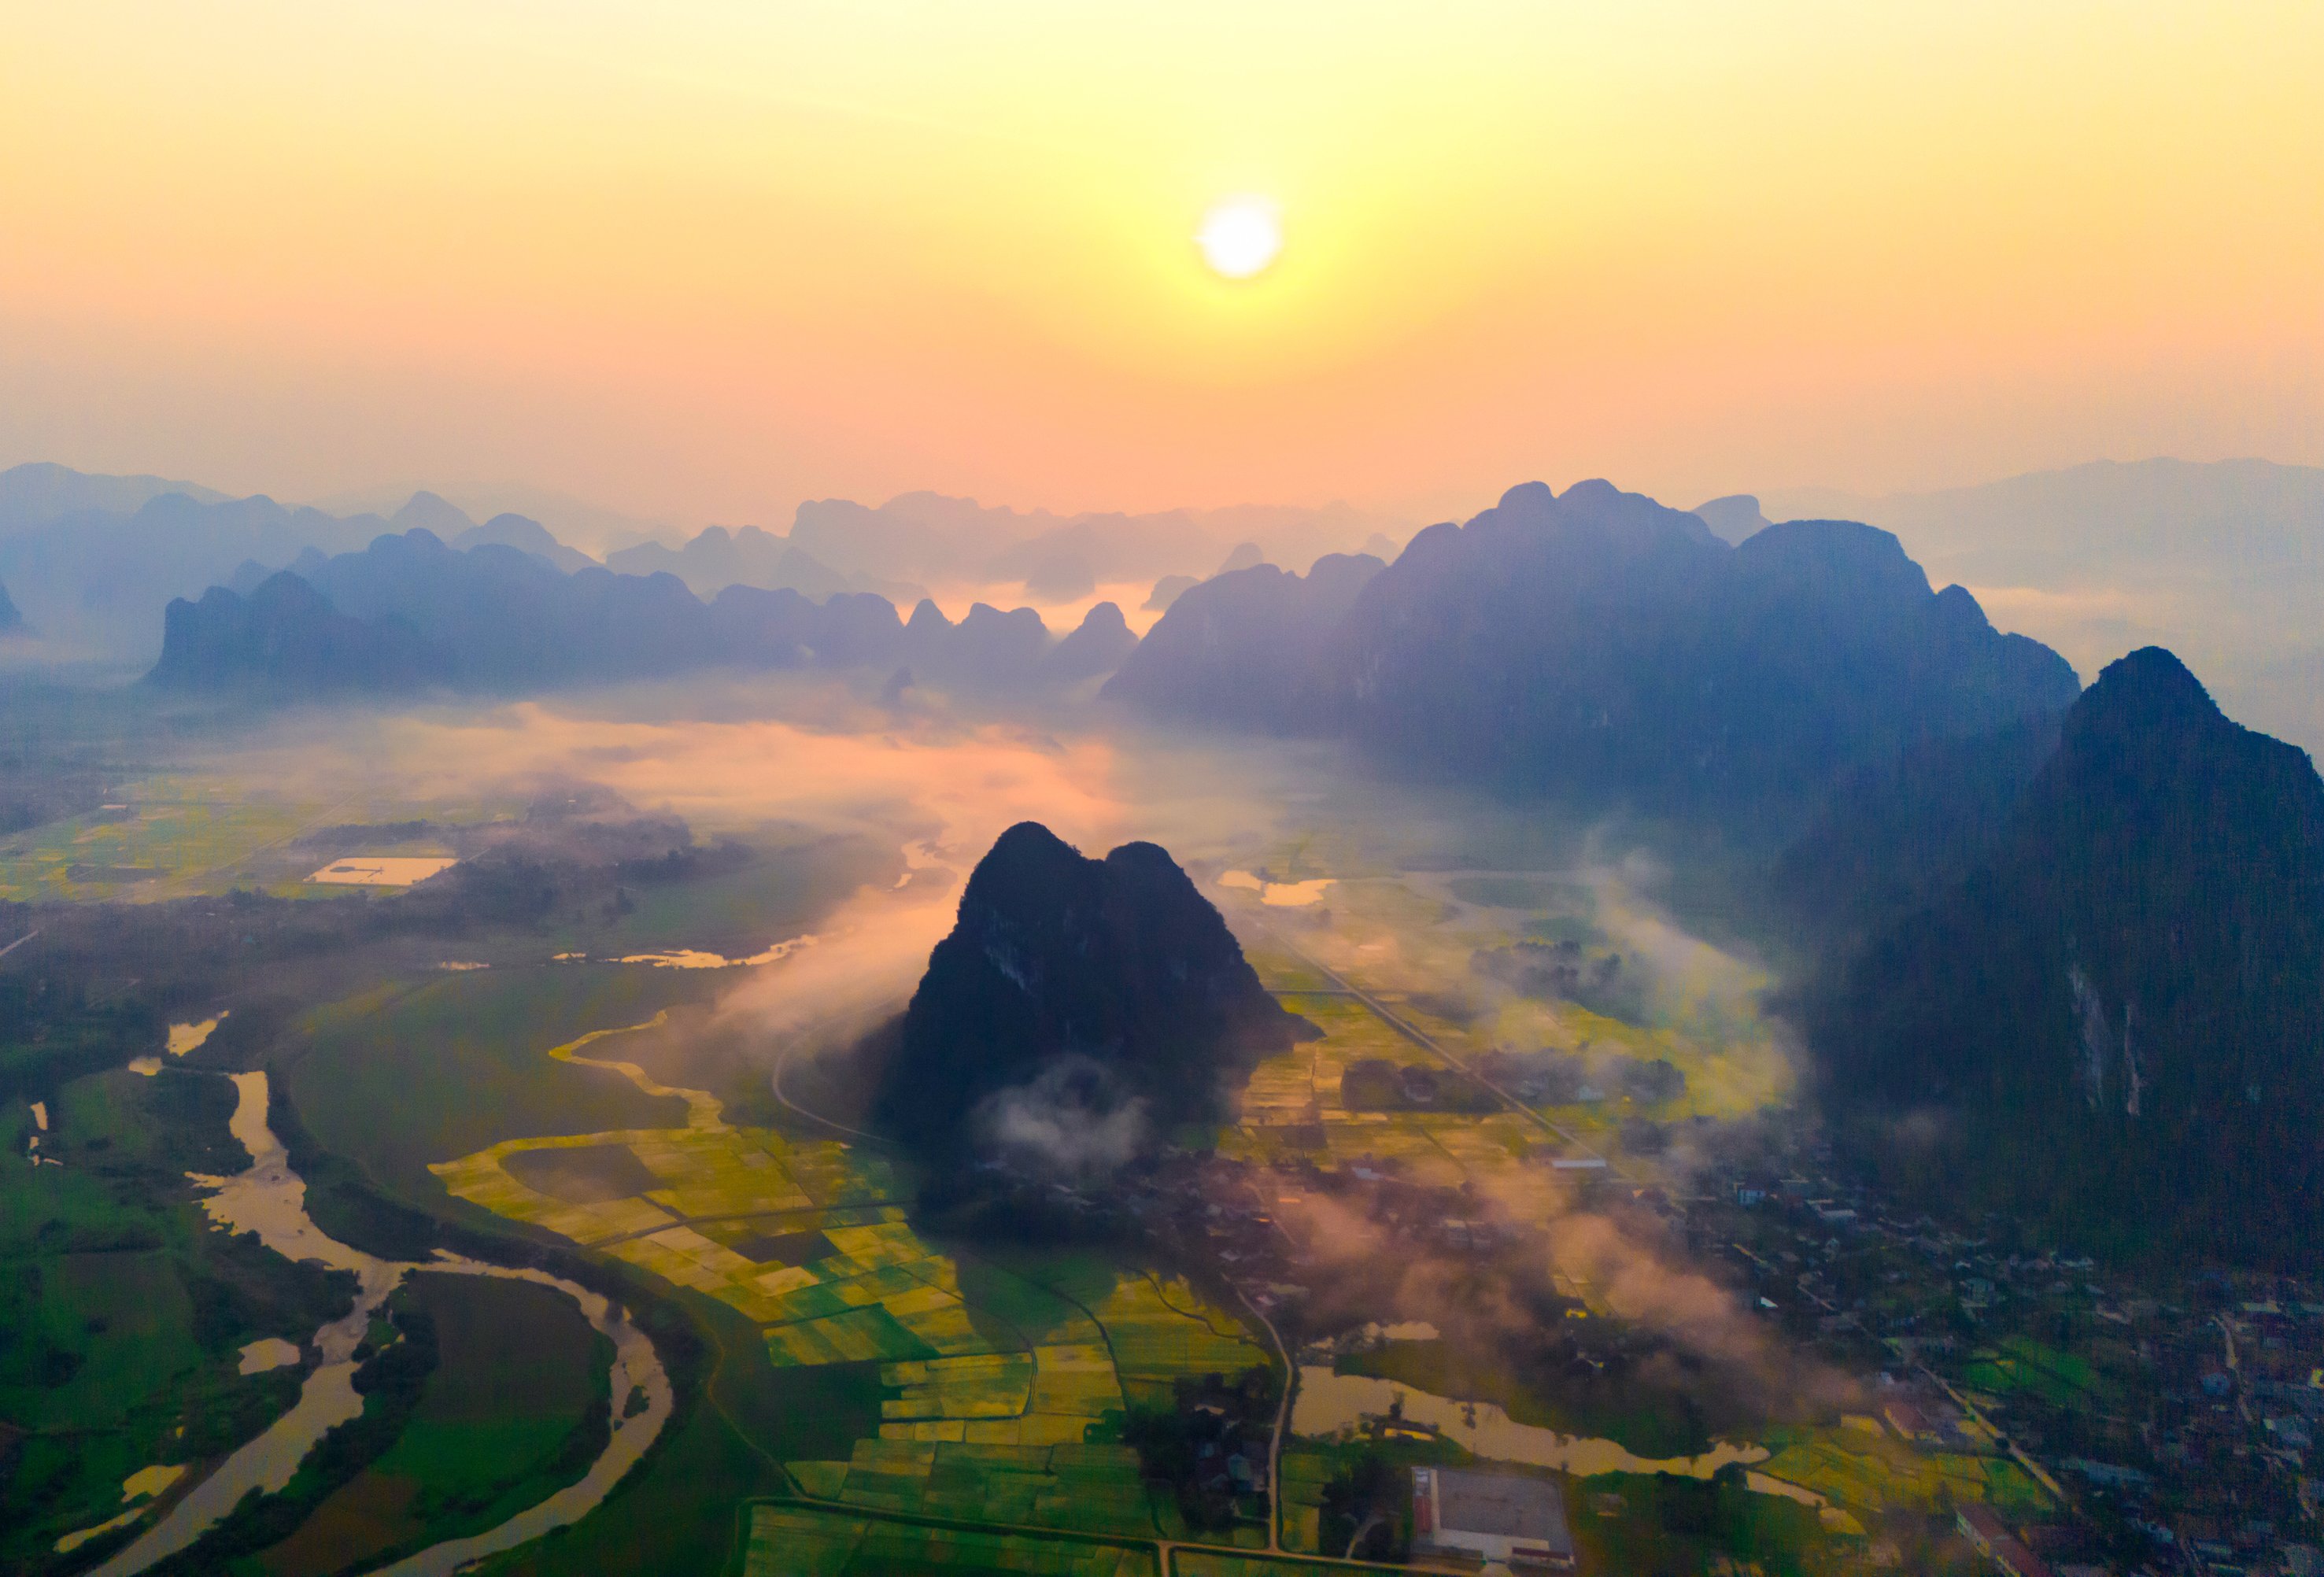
(1215, 1563)
(994, 1386)
(2060, 1379)
(1638, 1522)
(501, 1424)
(1869, 1474)
(173, 836)
(784, 891)
(412, 1073)
(800, 1541)
(124, 1313)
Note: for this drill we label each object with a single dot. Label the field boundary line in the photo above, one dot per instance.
(1166, 1547)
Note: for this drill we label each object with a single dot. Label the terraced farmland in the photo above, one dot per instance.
(993, 1376)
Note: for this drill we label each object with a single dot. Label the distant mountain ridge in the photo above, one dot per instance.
(926, 539)
(2117, 1015)
(41, 491)
(410, 611)
(1600, 646)
(716, 558)
(2220, 562)
(96, 560)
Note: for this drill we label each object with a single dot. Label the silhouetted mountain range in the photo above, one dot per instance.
(925, 539)
(36, 494)
(1600, 646)
(410, 611)
(96, 559)
(718, 559)
(2114, 1024)
(1891, 837)
(2221, 561)
(287, 635)
(1100, 645)
(1078, 1011)
(1246, 646)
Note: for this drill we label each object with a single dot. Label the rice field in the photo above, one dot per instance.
(2062, 1379)
(792, 1541)
(1304, 1474)
(1865, 1476)
(993, 1379)
(1218, 1563)
(179, 833)
(1070, 1487)
(162, 838)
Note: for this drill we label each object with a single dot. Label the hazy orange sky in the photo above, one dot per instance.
(706, 257)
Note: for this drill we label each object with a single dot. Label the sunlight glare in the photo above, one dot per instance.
(1240, 236)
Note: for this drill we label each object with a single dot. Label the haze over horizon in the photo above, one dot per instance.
(703, 262)
(865, 786)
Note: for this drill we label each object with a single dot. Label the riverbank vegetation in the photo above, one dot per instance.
(125, 1312)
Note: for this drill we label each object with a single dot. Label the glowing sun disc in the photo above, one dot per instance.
(1240, 236)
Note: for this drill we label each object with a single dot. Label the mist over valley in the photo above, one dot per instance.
(1027, 791)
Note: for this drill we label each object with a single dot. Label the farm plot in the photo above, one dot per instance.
(1159, 1331)
(403, 1076)
(1303, 1475)
(1867, 1477)
(2060, 1379)
(1216, 1563)
(791, 1541)
(166, 838)
(999, 1384)
(1070, 1487)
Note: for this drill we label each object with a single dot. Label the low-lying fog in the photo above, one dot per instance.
(1416, 892)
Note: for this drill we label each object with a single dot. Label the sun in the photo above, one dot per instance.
(1240, 235)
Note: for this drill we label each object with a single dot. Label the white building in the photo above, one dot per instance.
(1492, 1517)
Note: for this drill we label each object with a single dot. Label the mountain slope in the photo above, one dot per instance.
(1599, 646)
(2221, 561)
(287, 636)
(1244, 647)
(2118, 1018)
(1078, 1010)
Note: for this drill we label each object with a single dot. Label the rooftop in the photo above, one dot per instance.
(1491, 1512)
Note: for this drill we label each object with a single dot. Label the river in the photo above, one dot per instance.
(270, 1199)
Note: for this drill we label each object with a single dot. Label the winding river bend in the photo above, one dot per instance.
(271, 1199)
